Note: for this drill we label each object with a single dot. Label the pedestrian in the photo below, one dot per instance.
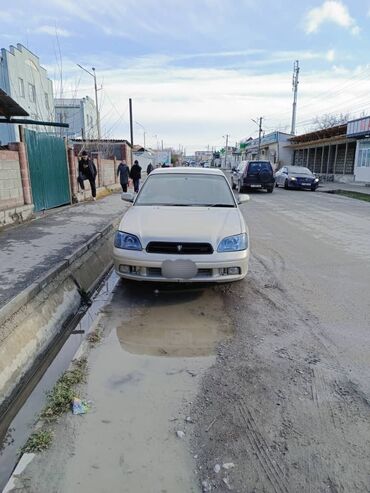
(123, 171)
(87, 171)
(135, 175)
(149, 169)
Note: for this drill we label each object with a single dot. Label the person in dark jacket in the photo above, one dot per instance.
(135, 175)
(87, 171)
(123, 171)
(149, 169)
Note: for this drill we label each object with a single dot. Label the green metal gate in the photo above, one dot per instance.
(47, 159)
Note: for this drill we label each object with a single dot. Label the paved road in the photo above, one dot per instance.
(287, 399)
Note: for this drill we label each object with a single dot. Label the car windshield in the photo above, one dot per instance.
(258, 166)
(299, 170)
(180, 189)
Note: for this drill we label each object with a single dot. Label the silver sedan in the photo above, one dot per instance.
(184, 226)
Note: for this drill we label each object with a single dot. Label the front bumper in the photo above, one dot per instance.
(143, 266)
(294, 184)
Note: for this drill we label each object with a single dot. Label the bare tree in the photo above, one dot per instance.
(330, 120)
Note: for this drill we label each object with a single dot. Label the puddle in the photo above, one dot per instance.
(143, 376)
(188, 328)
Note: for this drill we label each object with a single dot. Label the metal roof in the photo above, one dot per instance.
(9, 107)
(326, 133)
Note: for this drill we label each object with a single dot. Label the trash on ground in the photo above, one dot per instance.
(206, 486)
(79, 406)
(217, 468)
(188, 419)
(228, 465)
(180, 433)
(227, 483)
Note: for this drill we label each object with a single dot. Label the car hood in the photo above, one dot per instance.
(302, 175)
(187, 224)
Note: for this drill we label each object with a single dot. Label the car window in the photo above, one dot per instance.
(256, 167)
(299, 170)
(180, 189)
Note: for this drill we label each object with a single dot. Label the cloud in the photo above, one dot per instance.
(331, 11)
(330, 56)
(53, 31)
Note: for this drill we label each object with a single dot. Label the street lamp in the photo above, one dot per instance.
(96, 97)
(227, 144)
(259, 123)
(144, 131)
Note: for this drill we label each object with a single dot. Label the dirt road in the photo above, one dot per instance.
(286, 400)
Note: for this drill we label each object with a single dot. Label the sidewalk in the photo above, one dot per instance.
(31, 249)
(348, 187)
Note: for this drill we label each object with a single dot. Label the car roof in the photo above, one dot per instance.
(190, 171)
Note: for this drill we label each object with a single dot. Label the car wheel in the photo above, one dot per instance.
(233, 186)
(286, 185)
(270, 189)
(313, 189)
(276, 185)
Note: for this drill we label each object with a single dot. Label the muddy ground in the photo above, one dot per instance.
(288, 399)
(270, 374)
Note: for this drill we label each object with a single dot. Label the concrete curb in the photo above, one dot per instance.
(16, 303)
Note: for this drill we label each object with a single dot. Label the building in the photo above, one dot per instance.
(360, 130)
(201, 156)
(329, 153)
(24, 80)
(274, 147)
(80, 114)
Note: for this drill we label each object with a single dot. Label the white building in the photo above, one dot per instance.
(360, 130)
(275, 147)
(81, 116)
(24, 80)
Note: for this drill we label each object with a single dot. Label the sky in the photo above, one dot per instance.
(197, 70)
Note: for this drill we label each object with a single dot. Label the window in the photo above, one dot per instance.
(32, 92)
(47, 101)
(21, 87)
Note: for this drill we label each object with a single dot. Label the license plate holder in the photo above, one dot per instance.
(179, 269)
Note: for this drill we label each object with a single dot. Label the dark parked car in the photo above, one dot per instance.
(296, 177)
(253, 175)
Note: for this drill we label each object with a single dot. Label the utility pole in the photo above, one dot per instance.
(144, 131)
(295, 91)
(96, 98)
(227, 145)
(131, 126)
(259, 123)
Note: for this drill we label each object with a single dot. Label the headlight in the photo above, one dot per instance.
(233, 243)
(127, 241)
(292, 178)
(316, 179)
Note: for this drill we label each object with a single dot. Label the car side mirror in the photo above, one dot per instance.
(243, 197)
(128, 197)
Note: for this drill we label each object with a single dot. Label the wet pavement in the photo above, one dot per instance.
(143, 377)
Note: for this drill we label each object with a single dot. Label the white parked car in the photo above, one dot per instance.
(184, 226)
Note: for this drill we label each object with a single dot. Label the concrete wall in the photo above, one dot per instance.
(12, 206)
(23, 78)
(108, 172)
(11, 193)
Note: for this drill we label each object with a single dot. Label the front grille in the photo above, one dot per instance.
(172, 248)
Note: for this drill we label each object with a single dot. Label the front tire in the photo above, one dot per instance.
(270, 189)
(233, 186)
(313, 189)
(286, 185)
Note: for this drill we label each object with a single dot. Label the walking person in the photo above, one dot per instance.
(87, 171)
(123, 171)
(149, 169)
(135, 175)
